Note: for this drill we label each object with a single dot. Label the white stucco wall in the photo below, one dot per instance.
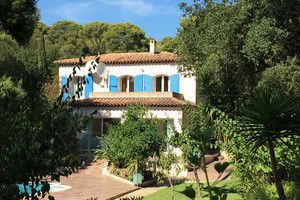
(187, 85)
(161, 113)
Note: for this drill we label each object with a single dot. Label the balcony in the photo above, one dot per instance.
(135, 95)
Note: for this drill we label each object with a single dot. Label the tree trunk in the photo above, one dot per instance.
(172, 186)
(137, 165)
(277, 180)
(207, 180)
(197, 182)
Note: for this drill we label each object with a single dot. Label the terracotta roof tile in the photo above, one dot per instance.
(123, 102)
(124, 59)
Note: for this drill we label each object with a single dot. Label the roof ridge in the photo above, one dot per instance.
(124, 58)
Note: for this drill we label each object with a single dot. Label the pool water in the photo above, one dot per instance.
(54, 187)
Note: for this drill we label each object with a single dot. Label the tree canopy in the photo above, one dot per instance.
(227, 45)
(94, 33)
(125, 37)
(18, 18)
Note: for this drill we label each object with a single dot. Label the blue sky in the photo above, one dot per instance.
(158, 18)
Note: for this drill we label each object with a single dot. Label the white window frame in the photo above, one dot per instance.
(162, 83)
(127, 83)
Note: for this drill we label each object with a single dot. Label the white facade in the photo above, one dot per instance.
(187, 85)
(144, 81)
(158, 78)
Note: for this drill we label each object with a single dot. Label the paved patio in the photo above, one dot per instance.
(89, 184)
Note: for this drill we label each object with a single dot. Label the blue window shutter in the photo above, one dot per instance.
(138, 83)
(147, 83)
(174, 83)
(113, 83)
(88, 86)
(64, 81)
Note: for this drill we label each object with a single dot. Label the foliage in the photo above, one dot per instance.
(125, 37)
(199, 127)
(220, 193)
(65, 38)
(285, 76)
(94, 33)
(253, 169)
(165, 193)
(8, 49)
(167, 161)
(18, 18)
(193, 126)
(268, 118)
(268, 192)
(167, 44)
(133, 137)
(37, 139)
(238, 40)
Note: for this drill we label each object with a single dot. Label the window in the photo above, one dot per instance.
(100, 126)
(162, 84)
(127, 84)
(75, 85)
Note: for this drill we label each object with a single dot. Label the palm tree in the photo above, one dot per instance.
(268, 118)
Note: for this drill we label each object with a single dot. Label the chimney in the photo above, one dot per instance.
(152, 47)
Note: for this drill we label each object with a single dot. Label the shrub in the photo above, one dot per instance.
(134, 137)
(268, 192)
(252, 169)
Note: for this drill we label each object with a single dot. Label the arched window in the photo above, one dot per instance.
(161, 84)
(127, 84)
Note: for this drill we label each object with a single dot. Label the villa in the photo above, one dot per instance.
(126, 78)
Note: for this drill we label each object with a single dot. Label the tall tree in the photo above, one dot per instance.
(125, 37)
(64, 38)
(168, 44)
(93, 33)
(18, 18)
(236, 39)
(37, 138)
(285, 76)
(8, 49)
(268, 118)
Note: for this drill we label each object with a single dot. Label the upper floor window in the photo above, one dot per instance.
(161, 84)
(127, 84)
(76, 85)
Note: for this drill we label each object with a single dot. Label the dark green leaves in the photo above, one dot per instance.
(136, 137)
(195, 160)
(268, 115)
(220, 168)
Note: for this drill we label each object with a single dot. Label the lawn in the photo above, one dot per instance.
(166, 193)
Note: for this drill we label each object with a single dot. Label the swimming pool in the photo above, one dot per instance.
(54, 187)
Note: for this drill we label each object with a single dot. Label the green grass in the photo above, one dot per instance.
(166, 193)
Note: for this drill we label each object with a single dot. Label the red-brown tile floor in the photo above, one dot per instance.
(87, 186)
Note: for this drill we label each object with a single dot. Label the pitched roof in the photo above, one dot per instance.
(123, 102)
(124, 59)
